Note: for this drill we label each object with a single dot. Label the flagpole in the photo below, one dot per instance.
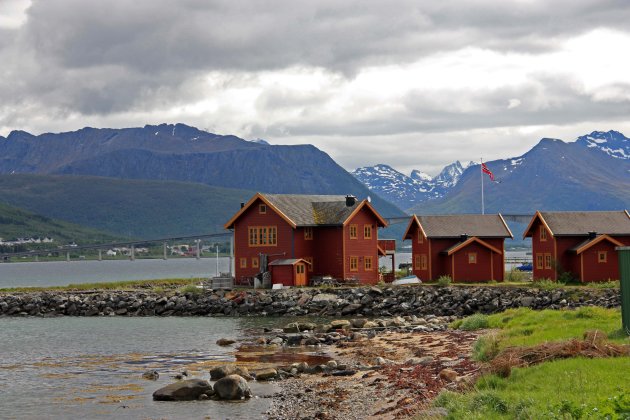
(481, 173)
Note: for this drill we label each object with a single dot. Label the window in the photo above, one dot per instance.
(602, 256)
(367, 263)
(543, 234)
(472, 258)
(547, 261)
(310, 260)
(299, 269)
(308, 233)
(354, 263)
(539, 261)
(421, 262)
(367, 231)
(262, 209)
(243, 262)
(263, 236)
(255, 262)
(353, 232)
(420, 237)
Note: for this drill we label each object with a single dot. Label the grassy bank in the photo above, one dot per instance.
(154, 285)
(572, 388)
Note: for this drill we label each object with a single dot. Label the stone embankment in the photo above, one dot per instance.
(361, 301)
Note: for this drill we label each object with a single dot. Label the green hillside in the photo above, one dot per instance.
(16, 223)
(128, 208)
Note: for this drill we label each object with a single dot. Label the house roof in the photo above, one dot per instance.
(580, 223)
(289, 261)
(458, 246)
(578, 249)
(310, 210)
(455, 225)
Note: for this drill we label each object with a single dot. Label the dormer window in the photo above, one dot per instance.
(262, 209)
(543, 234)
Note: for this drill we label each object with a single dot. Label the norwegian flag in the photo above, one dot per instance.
(485, 170)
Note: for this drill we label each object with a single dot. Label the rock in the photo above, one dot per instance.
(448, 375)
(346, 372)
(261, 341)
(356, 336)
(151, 375)
(331, 364)
(340, 324)
(302, 367)
(425, 360)
(325, 297)
(323, 328)
(297, 327)
(311, 341)
(203, 397)
(187, 390)
(358, 323)
(243, 372)
(370, 324)
(232, 387)
(219, 372)
(266, 374)
(351, 308)
(380, 361)
(225, 341)
(277, 341)
(527, 301)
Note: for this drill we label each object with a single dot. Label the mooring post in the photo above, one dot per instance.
(165, 256)
(100, 255)
(198, 248)
(67, 255)
(133, 252)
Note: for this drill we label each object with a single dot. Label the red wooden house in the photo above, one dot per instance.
(581, 243)
(300, 236)
(466, 247)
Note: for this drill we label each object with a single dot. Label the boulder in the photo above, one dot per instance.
(219, 372)
(225, 341)
(266, 374)
(325, 297)
(448, 375)
(187, 390)
(232, 387)
(151, 375)
(297, 327)
(340, 324)
(243, 372)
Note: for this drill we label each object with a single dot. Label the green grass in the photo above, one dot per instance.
(564, 389)
(154, 285)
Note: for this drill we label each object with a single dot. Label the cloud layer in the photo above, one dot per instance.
(409, 84)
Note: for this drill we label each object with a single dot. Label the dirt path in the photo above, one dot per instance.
(400, 386)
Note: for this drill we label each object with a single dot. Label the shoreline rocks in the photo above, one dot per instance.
(357, 302)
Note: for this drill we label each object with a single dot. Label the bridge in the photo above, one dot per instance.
(132, 244)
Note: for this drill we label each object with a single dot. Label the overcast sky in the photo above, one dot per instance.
(414, 84)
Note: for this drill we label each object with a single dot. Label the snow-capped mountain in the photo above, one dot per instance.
(613, 143)
(407, 191)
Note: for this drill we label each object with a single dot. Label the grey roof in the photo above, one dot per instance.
(313, 210)
(288, 261)
(455, 225)
(582, 222)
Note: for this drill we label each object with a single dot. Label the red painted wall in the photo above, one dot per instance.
(283, 274)
(361, 247)
(241, 241)
(465, 272)
(542, 247)
(328, 252)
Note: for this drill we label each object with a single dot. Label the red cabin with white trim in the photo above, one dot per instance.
(466, 247)
(581, 243)
(333, 235)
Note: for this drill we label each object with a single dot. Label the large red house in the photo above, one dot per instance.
(300, 236)
(581, 243)
(466, 247)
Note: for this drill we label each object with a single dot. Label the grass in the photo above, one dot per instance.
(155, 285)
(563, 389)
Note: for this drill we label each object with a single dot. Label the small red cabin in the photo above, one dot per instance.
(581, 243)
(466, 247)
(321, 234)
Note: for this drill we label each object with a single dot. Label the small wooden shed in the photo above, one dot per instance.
(289, 272)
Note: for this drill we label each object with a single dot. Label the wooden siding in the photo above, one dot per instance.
(284, 274)
(361, 247)
(328, 254)
(541, 248)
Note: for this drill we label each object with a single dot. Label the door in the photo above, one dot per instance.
(300, 274)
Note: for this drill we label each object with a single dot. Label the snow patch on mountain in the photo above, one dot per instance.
(613, 143)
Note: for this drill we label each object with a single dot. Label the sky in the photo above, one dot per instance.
(413, 84)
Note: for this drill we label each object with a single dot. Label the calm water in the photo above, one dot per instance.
(61, 273)
(91, 367)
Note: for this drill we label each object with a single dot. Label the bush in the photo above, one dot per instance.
(474, 322)
(444, 281)
(515, 275)
(610, 284)
(547, 284)
(192, 289)
(486, 348)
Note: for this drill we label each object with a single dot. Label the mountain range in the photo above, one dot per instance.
(407, 191)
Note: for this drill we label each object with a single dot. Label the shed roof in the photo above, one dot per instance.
(580, 223)
(455, 225)
(460, 245)
(581, 247)
(311, 210)
(289, 261)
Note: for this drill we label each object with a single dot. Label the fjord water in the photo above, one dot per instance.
(73, 367)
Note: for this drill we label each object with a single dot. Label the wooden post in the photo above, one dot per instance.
(198, 250)
(133, 252)
(164, 248)
(100, 255)
(67, 255)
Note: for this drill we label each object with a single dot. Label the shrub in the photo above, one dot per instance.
(192, 289)
(486, 348)
(516, 276)
(444, 281)
(547, 284)
(610, 284)
(474, 322)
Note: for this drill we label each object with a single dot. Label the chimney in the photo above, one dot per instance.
(242, 205)
(351, 200)
(592, 234)
(463, 237)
